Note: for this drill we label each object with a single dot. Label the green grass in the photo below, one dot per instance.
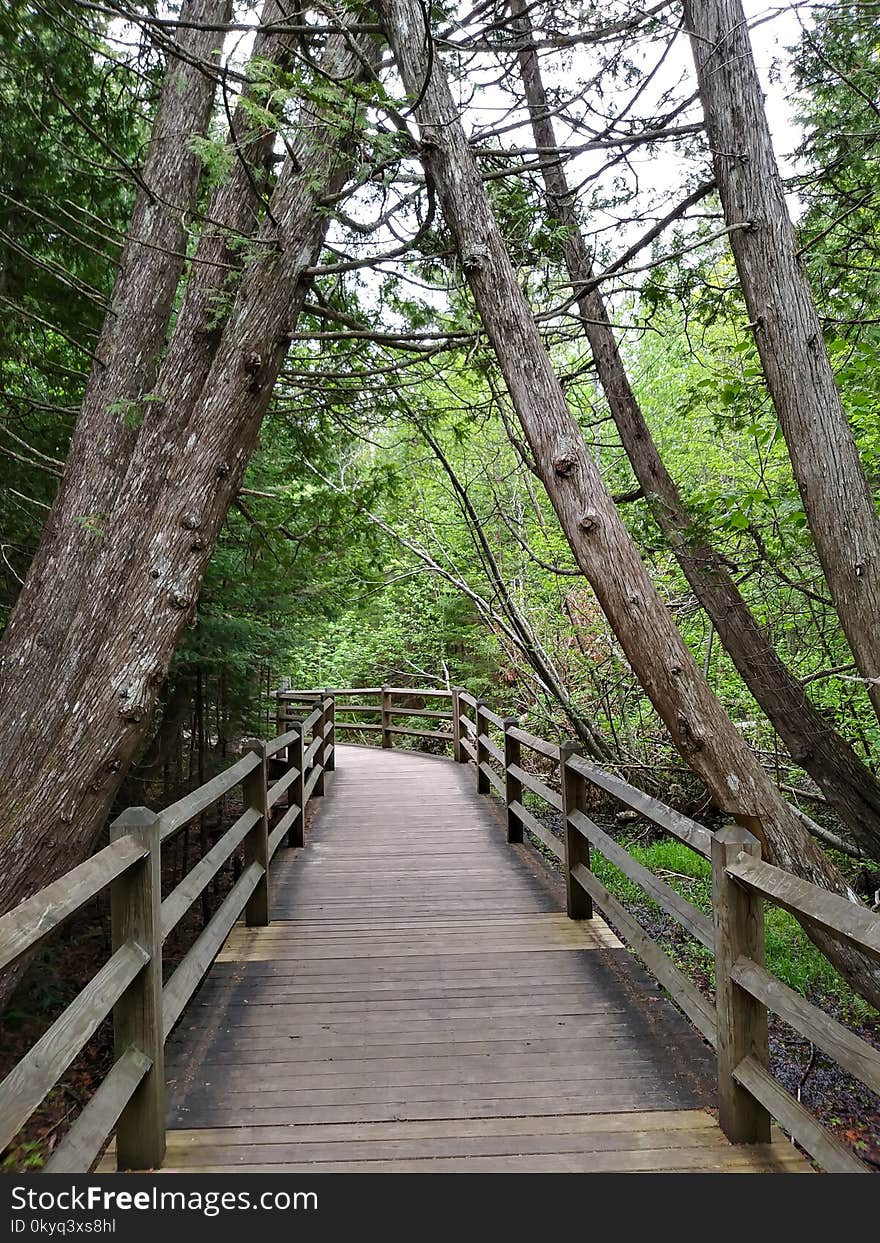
(790, 954)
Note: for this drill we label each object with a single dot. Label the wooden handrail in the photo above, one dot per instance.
(32, 920)
(185, 810)
(680, 826)
(39, 1070)
(849, 1051)
(847, 920)
(132, 1094)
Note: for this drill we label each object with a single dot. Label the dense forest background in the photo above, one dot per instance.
(387, 475)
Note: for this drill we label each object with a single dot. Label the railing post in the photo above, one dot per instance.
(330, 737)
(513, 791)
(318, 732)
(296, 755)
(280, 761)
(256, 844)
(741, 1018)
(458, 752)
(482, 727)
(386, 717)
(135, 901)
(578, 903)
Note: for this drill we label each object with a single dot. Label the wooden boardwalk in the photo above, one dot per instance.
(420, 1003)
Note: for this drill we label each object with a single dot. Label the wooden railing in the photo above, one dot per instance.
(279, 777)
(277, 780)
(383, 716)
(513, 765)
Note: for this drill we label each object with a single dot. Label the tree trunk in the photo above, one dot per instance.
(128, 353)
(528, 644)
(837, 500)
(187, 465)
(850, 787)
(700, 728)
(48, 602)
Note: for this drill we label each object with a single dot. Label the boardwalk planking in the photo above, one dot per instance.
(420, 1003)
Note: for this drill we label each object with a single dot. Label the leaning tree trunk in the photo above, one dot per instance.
(850, 787)
(527, 642)
(186, 467)
(47, 605)
(700, 728)
(836, 497)
(128, 353)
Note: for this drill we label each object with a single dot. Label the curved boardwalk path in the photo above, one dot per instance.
(420, 1003)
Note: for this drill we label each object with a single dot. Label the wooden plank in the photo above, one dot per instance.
(283, 825)
(494, 750)
(848, 1050)
(283, 783)
(263, 951)
(537, 786)
(185, 980)
(352, 1106)
(200, 1151)
(432, 713)
(492, 777)
(671, 1122)
(309, 787)
(489, 715)
(181, 898)
(420, 733)
(356, 725)
(42, 1066)
(283, 740)
(87, 1136)
(550, 749)
(420, 692)
(824, 1147)
(468, 747)
(354, 690)
(849, 920)
(699, 1009)
(313, 718)
(539, 830)
(186, 809)
(693, 920)
(646, 1153)
(30, 921)
(686, 830)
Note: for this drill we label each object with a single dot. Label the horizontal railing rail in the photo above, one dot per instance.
(386, 711)
(277, 779)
